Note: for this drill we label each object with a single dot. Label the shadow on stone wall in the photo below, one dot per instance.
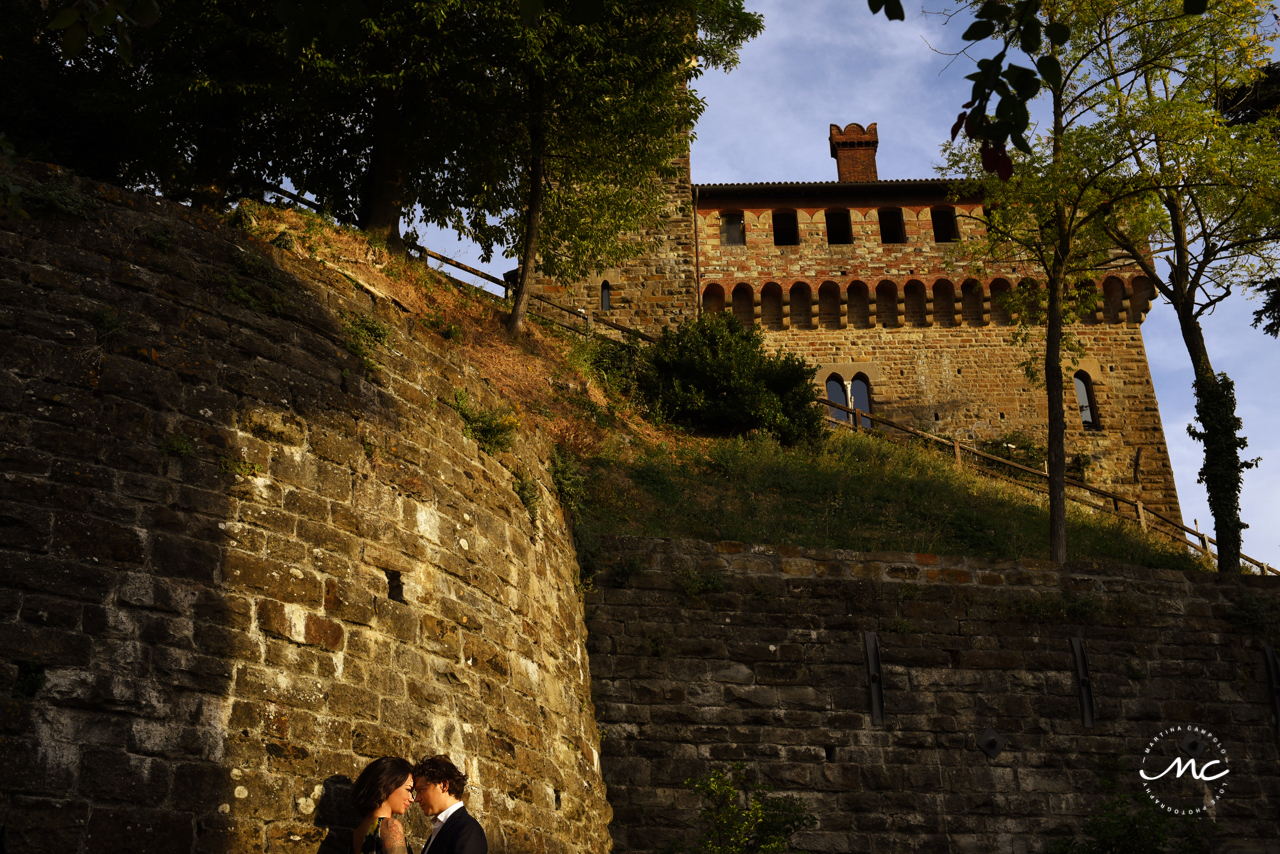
(240, 562)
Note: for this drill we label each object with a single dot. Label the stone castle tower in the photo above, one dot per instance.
(853, 275)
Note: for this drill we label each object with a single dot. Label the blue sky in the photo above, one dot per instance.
(821, 62)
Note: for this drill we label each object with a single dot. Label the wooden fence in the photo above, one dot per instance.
(548, 309)
(1141, 514)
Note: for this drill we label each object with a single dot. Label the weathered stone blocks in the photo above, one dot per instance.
(217, 602)
(780, 683)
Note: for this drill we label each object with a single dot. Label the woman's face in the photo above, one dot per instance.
(400, 799)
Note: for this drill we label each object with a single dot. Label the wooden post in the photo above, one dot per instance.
(857, 420)
(956, 442)
(1204, 538)
(1142, 517)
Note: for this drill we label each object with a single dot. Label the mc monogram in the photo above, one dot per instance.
(1186, 750)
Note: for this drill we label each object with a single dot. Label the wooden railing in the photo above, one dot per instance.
(1200, 541)
(582, 314)
(1141, 514)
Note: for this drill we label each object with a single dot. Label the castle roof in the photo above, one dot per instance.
(933, 189)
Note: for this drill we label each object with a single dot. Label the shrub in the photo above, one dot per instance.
(739, 817)
(1134, 825)
(713, 375)
(493, 429)
(364, 332)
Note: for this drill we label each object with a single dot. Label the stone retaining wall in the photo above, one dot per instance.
(238, 562)
(771, 671)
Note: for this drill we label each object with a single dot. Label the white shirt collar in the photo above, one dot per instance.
(444, 815)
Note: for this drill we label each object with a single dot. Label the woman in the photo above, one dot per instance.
(383, 789)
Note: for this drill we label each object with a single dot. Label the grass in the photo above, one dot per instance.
(616, 472)
(855, 491)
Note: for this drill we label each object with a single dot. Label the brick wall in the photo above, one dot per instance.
(201, 649)
(656, 289)
(771, 672)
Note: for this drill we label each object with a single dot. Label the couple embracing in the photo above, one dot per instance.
(389, 785)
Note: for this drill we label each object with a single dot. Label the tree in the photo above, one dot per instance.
(1045, 217)
(740, 817)
(1137, 151)
(1017, 25)
(1214, 182)
(591, 119)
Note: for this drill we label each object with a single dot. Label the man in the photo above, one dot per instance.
(438, 784)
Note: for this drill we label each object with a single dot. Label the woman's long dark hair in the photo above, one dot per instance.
(377, 781)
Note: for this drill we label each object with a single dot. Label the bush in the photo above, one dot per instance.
(713, 376)
(739, 817)
(494, 430)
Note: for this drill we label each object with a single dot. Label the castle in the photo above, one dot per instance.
(853, 275)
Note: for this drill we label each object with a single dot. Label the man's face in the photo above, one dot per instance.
(432, 797)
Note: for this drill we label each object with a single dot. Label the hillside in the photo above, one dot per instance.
(622, 474)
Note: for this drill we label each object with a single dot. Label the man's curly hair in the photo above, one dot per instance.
(438, 769)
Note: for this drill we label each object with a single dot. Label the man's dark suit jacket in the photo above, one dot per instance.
(461, 834)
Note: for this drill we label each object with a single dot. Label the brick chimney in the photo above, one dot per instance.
(854, 149)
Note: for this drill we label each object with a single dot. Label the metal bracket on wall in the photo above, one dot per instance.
(1273, 676)
(991, 742)
(875, 683)
(1084, 685)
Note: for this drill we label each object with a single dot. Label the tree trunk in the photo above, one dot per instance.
(1057, 454)
(381, 202)
(1057, 424)
(1222, 472)
(532, 218)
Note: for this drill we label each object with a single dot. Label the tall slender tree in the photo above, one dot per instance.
(1136, 151)
(1214, 182)
(1046, 214)
(592, 118)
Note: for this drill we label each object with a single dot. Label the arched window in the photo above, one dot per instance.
(944, 225)
(839, 228)
(913, 294)
(887, 304)
(1113, 296)
(606, 294)
(744, 304)
(835, 394)
(771, 306)
(860, 396)
(801, 306)
(971, 299)
(944, 303)
(712, 298)
(829, 305)
(733, 231)
(1087, 402)
(859, 306)
(786, 229)
(891, 228)
(999, 313)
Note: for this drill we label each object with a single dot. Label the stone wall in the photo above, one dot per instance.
(933, 345)
(771, 672)
(656, 289)
(239, 562)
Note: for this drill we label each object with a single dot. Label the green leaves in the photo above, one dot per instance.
(1016, 23)
(892, 9)
(1050, 71)
(739, 817)
(979, 30)
(90, 17)
(65, 18)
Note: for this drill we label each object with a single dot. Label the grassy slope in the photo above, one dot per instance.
(856, 492)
